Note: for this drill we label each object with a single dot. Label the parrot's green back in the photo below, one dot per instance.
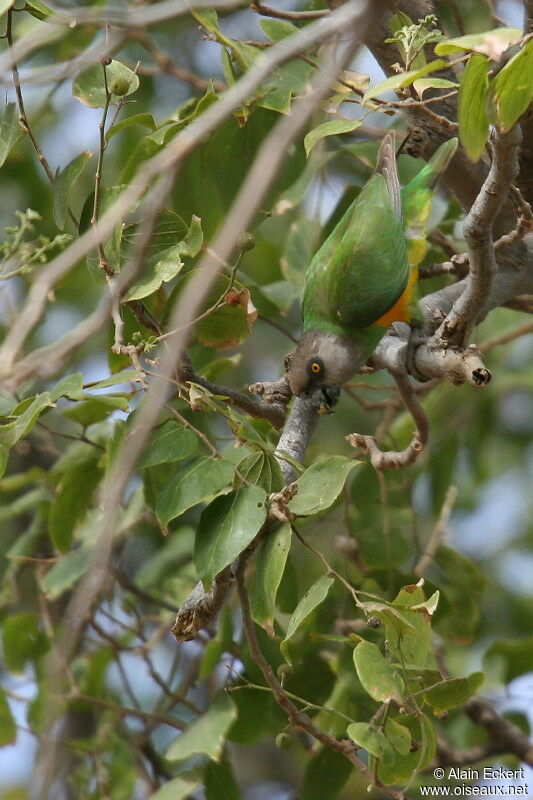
(364, 276)
(361, 269)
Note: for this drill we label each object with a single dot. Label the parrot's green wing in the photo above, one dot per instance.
(418, 194)
(362, 268)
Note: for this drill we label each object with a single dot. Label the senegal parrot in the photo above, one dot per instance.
(363, 278)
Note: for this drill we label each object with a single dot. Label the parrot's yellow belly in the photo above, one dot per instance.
(402, 308)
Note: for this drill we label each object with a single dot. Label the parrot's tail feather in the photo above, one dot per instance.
(386, 166)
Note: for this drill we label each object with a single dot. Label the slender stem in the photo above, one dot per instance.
(102, 259)
(23, 119)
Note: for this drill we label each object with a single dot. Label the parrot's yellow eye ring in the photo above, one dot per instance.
(315, 366)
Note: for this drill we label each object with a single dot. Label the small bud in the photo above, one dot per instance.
(105, 61)
(232, 298)
(283, 741)
(119, 86)
(246, 241)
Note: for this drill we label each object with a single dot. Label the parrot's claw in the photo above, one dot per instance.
(416, 338)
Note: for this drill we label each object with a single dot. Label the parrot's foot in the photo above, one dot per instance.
(416, 338)
(276, 393)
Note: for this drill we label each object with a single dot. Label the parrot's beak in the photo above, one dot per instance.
(331, 394)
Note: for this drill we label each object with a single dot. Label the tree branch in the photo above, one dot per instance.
(297, 718)
(391, 459)
(173, 155)
(501, 731)
(431, 360)
(273, 412)
(478, 227)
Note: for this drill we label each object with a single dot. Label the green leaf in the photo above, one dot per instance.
(403, 79)
(5, 5)
(73, 495)
(331, 128)
(117, 378)
(278, 99)
(489, 43)
(226, 528)
(389, 614)
(143, 119)
(232, 321)
(321, 484)
(378, 678)
(371, 739)
(8, 727)
(23, 504)
(200, 482)
(90, 86)
(15, 430)
(170, 442)
(65, 182)
(263, 470)
(453, 692)
(219, 781)
(514, 657)
(277, 29)
(70, 386)
(244, 54)
(22, 640)
(472, 114)
(39, 10)
(66, 572)
(169, 264)
(206, 734)
(402, 767)
(269, 567)
(95, 408)
(10, 129)
(422, 84)
(398, 736)
(175, 789)
(513, 87)
(411, 647)
(326, 768)
(315, 595)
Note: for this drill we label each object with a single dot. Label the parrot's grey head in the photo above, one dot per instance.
(323, 359)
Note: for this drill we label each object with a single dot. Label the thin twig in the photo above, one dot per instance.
(23, 119)
(102, 260)
(437, 533)
(497, 341)
(397, 459)
(296, 717)
(165, 64)
(295, 16)
(478, 225)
